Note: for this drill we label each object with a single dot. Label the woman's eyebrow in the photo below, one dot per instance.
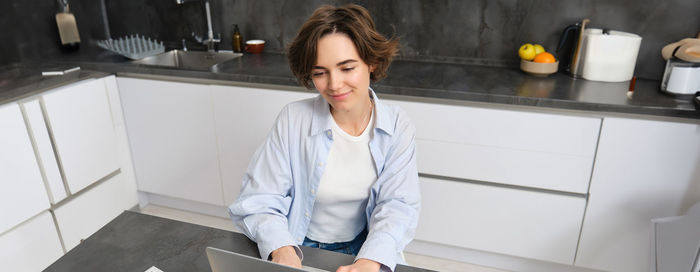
(345, 62)
(339, 64)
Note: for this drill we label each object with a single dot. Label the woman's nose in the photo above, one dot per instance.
(335, 82)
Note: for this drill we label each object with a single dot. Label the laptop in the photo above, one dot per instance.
(227, 261)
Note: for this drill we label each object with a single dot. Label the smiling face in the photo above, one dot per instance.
(340, 75)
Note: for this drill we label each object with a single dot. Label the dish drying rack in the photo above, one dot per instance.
(133, 47)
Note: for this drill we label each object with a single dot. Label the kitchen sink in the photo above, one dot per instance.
(188, 59)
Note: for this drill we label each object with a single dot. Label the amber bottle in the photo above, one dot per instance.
(236, 40)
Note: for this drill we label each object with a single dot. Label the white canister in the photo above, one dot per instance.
(610, 57)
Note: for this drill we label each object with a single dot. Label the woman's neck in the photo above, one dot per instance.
(354, 121)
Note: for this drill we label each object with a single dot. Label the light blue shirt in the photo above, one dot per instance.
(277, 197)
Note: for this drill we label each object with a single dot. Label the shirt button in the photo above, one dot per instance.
(313, 191)
(307, 214)
(320, 164)
(329, 134)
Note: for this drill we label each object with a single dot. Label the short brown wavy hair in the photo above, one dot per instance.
(352, 20)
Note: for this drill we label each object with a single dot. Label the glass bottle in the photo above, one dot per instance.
(236, 42)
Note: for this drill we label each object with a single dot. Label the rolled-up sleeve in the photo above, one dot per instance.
(393, 220)
(261, 209)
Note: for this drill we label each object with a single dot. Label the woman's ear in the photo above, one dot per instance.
(372, 68)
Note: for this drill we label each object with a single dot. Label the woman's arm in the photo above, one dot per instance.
(261, 209)
(396, 201)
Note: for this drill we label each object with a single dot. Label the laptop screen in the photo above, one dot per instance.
(227, 261)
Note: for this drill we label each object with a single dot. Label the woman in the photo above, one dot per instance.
(338, 171)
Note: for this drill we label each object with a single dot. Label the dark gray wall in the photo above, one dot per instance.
(468, 31)
(29, 30)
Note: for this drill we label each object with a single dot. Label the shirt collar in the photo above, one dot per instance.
(322, 122)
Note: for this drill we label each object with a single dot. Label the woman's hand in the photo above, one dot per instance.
(361, 265)
(286, 255)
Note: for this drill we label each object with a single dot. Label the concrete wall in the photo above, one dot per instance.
(483, 32)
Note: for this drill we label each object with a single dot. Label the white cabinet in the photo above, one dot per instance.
(80, 119)
(86, 213)
(31, 246)
(23, 194)
(65, 132)
(515, 181)
(547, 151)
(528, 224)
(244, 117)
(643, 170)
(170, 128)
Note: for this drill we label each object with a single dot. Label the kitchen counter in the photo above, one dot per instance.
(20, 81)
(413, 79)
(135, 242)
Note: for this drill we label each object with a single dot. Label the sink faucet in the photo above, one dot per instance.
(210, 42)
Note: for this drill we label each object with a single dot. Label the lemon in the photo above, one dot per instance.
(527, 51)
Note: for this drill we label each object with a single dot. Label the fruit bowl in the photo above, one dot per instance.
(539, 69)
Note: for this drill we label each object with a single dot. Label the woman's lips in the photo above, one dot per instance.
(340, 96)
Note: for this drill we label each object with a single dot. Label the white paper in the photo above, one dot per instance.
(153, 269)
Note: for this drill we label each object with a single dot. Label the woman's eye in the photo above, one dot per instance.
(348, 69)
(317, 74)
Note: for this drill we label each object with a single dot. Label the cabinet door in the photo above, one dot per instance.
(244, 117)
(32, 246)
(643, 170)
(81, 122)
(92, 209)
(547, 151)
(170, 127)
(23, 193)
(521, 223)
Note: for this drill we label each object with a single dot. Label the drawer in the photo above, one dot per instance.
(91, 210)
(547, 151)
(31, 246)
(521, 223)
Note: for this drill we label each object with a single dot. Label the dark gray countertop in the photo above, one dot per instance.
(135, 242)
(412, 78)
(20, 81)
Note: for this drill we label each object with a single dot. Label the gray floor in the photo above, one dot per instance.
(224, 223)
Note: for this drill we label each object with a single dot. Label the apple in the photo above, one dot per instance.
(538, 49)
(527, 51)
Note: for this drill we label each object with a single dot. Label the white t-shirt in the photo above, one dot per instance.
(341, 199)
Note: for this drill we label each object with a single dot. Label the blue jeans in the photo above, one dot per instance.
(349, 247)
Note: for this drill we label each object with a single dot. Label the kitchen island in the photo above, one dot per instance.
(135, 242)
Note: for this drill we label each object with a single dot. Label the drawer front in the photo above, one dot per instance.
(31, 246)
(507, 166)
(537, 150)
(91, 210)
(527, 224)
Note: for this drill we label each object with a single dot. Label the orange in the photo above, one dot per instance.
(544, 57)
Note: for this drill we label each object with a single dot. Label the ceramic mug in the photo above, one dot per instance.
(254, 46)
